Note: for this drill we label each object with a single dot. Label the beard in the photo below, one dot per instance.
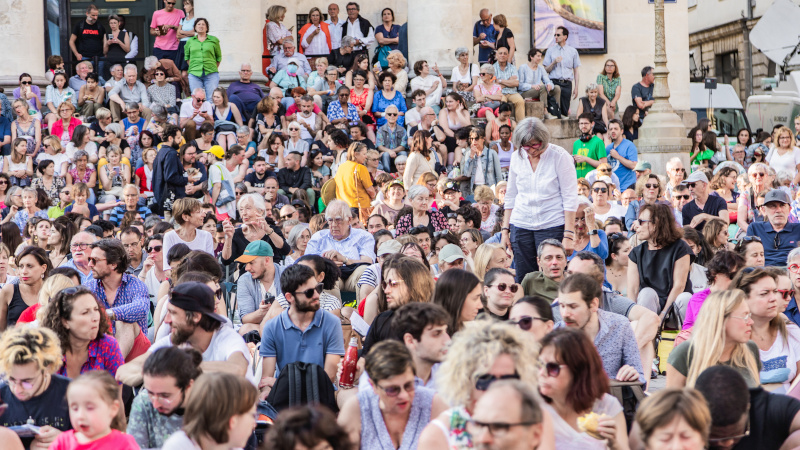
(307, 306)
(181, 335)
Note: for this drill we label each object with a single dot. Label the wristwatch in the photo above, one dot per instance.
(593, 233)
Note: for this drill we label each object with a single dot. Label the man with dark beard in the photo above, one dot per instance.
(190, 313)
(319, 331)
(157, 411)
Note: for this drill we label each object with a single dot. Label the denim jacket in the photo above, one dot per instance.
(490, 163)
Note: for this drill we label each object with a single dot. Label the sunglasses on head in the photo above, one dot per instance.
(502, 287)
(484, 381)
(310, 292)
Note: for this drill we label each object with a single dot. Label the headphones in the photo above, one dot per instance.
(585, 137)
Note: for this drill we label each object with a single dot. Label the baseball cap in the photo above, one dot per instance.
(606, 180)
(641, 166)
(294, 61)
(396, 181)
(195, 297)
(450, 253)
(389, 247)
(777, 195)
(695, 177)
(451, 186)
(254, 250)
(217, 151)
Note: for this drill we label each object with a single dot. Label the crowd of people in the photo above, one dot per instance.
(365, 254)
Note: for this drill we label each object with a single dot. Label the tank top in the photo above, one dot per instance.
(310, 121)
(15, 307)
(115, 51)
(28, 134)
(374, 434)
(458, 438)
(597, 111)
(505, 156)
(187, 25)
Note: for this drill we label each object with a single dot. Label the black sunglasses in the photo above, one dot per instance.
(310, 292)
(691, 185)
(526, 322)
(683, 197)
(155, 248)
(654, 186)
(502, 287)
(601, 190)
(552, 369)
(484, 381)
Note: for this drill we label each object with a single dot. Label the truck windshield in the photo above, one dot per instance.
(726, 121)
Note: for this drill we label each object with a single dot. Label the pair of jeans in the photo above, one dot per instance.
(386, 161)
(207, 81)
(525, 244)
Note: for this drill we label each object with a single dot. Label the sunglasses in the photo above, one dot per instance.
(691, 185)
(25, 83)
(683, 197)
(392, 283)
(310, 292)
(526, 322)
(785, 293)
(155, 248)
(287, 216)
(3, 182)
(502, 287)
(552, 369)
(294, 129)
(484, 381)
(654, 186)
(758, 174)
(601, 190)
(94, 260)
(391, 114)
(394, 391)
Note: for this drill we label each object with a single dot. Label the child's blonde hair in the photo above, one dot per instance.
(108, 389)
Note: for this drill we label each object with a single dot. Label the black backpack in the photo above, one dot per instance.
(302, 383)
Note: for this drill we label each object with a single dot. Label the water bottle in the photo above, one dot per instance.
(347, 380)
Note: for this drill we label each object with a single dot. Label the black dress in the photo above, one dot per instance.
(597, 112)
(15, 307)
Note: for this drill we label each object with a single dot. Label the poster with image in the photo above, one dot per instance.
(585, 20)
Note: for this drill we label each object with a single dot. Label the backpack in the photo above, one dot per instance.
(302, 383)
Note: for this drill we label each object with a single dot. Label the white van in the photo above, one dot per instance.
(779, 107)
(725, 109)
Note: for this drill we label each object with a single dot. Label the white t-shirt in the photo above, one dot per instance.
(310, 121)
(152, 284)
(616, 210)
(224, 343)
(91, 149)
(58, 160)
(412, 118)
(784, 163)
(202, 241)
(780, 361)
(187, 109)
(458, 77)
(215, 175)
(425, 83)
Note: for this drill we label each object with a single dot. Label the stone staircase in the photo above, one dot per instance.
(563, 132)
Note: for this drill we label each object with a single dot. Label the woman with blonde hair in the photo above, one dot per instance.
(785, 156)
(673, 418)
(758, 173)
(484, 351)
(490, 256)
(720, 335)
(54, 151)
(315, 37)
(226, 118)
(397, 63)
(276, 31)
(18, 165)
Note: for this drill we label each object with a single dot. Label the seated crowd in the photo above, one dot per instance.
(370, 256)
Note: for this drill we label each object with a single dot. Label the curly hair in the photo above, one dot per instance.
(20, 346)
(473, 351)
(60, 309)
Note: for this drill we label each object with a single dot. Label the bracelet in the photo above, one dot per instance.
(569, 231)
(505, 229)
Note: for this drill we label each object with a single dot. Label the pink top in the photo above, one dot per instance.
(116, 440)
(693, 308)
(87, 175)
(57, 129)
(494, 90)
(168, 41)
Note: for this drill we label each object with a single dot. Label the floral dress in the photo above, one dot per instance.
(360, 101)
(22, 217)
(87, 175)
(54, 189)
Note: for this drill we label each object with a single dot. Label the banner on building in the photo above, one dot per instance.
(585, 20)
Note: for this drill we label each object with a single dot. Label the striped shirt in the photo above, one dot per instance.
(118, 213)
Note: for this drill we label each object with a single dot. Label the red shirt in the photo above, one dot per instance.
(142, 180)
(116, 440)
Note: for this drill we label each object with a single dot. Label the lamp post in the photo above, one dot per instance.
(662, 135)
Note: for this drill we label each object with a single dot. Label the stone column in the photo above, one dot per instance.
(662, 135)
(436, 29)
(22, 43)
(238, 26)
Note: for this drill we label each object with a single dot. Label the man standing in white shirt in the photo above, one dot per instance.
(359, 29)
(335, 26)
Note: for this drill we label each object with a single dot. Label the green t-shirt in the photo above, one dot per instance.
(594, 149)
(679, 359)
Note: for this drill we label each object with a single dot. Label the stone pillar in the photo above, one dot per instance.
(22, 43)
(436, 29)
(662, 135)
(238, 26)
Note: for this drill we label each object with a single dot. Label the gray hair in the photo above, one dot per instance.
(196, 90)
(552, 243)
(751, 169)
(246, 64)
(401, 159)
(158, 110)
(91, 236)
(591, 87)
(331, 69)
(347, 41)
(417, 190)
(150, 62)
(530, 402)
(288, 40)
(294, 235)
(253, 198)
(81, 153)
(13, 189)
(671, 163)
(132, 67)
(114, 128)
(114, 66)
(131, 105)
(338, 209)
(795, 253)
(530, 129)
(487, 68)
(244, 129)
(460, 51)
